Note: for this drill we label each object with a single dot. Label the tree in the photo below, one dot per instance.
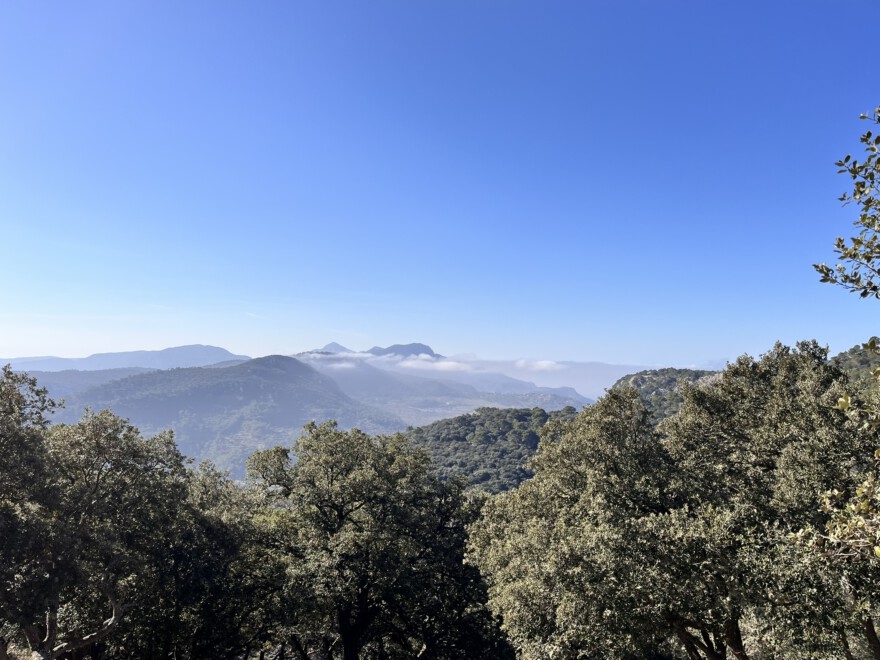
(849, 540)
(86, 513)
(212, 581)
(631, 540)
(110, 546)
(860, 270)
(563, 556)
(26, 497)
(374, 545)
(114, 492)
(754, 448)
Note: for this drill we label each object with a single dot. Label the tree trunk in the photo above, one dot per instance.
(44, 648)
(353, 621)
(689, 646)
(349, 635)
(847, 652)
(733, 639)
(699, 649)
(299, 648)
(871, 635)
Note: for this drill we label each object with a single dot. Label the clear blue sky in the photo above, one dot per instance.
(636, 181)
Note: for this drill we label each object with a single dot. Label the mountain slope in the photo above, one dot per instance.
(660, 388)
(226, 414)
(488, 447)
(333, 347)
(70, 382)
(858, 363)
(427, 396)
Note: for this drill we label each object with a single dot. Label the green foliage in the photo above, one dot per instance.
(860, 257)
(561, 553)
(635, 541)
(110, 546)
(101, 492)
(373, 544)
(213, 585)
(754, 450)
(849, 542)
(26, 501)
(612, 536)
(489, 447)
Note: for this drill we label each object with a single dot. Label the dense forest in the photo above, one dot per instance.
(683, 515)
(489, 447)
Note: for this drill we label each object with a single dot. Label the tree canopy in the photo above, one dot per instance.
(108, 543)
(637, 541)
(374, 544)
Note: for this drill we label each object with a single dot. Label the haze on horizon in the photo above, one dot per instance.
(630, 183)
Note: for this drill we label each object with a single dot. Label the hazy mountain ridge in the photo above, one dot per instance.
(420, 397)
(333, 347)
(422, 361)
(226, 410)
(404, 350)
(195, 355)
(588, 379)
(226, 414)
(70, 382)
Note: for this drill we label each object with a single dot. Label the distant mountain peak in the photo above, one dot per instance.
(333, 347)
(404, 350)
(275, 367)
(285, 362)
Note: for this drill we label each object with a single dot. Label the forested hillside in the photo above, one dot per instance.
(660, 389)
(859, 364)
(225, 414)
(488, 447)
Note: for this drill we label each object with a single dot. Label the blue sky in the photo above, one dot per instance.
(636, 182)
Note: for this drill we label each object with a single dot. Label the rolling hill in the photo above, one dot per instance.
(224, 414)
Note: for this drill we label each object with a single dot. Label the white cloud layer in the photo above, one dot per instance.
(539, 365)
(434, 365)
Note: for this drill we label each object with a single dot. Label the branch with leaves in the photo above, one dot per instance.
(859, 267)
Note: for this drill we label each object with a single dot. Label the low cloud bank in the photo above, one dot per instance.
(589, 379)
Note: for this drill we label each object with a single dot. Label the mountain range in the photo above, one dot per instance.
(225, 414)
(423, 396)
(196, 355)
(224, 406)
